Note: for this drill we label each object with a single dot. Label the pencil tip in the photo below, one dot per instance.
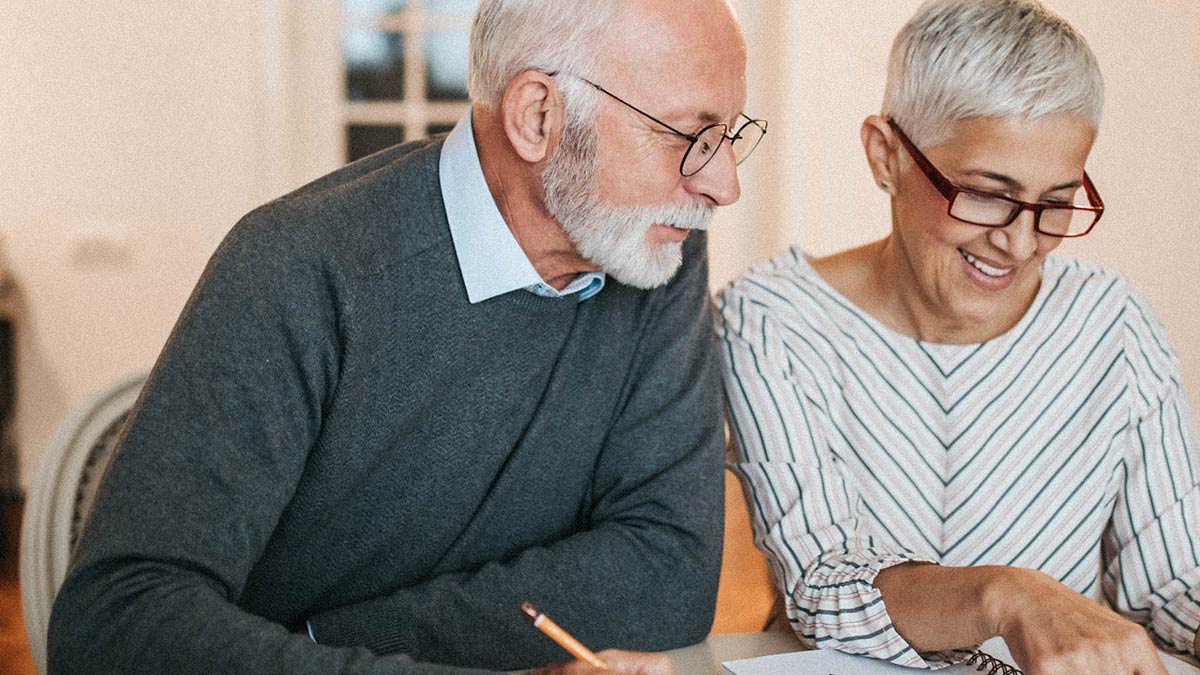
(529, 611)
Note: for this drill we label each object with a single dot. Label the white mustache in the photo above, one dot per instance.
(692, 216)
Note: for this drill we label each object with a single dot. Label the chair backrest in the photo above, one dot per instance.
(61, 497)
(745, 591)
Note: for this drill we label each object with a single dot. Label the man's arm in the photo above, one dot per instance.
(643, 575)
(209, 462)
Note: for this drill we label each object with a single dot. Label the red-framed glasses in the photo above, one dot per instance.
(992, 210)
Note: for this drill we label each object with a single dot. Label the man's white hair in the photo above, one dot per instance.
(510, 36)
(964, 59)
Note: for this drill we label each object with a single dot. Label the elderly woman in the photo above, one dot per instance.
(950, 434)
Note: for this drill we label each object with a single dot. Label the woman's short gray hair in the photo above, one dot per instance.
(963, 59)
(511, 36)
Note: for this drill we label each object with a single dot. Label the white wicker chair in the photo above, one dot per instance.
(61, 498)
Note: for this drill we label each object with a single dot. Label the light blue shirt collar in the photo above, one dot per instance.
(491, 261)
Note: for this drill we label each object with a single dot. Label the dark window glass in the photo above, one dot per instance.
(365, 139)
(435, 129)
(446, 65)
(373, 7)
(374, 65)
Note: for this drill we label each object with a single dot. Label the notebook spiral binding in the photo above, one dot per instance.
(986, 663)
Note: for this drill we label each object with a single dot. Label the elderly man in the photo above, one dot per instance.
(451, 377)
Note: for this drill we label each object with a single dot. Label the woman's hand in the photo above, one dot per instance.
(620, 663)
(1049, 628)
(1052, 630)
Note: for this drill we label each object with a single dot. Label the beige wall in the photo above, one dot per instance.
(132, 138)
(134, 134)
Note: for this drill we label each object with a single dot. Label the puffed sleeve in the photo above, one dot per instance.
(807, 517)
(1152, 545)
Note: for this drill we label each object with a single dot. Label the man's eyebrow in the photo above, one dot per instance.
(681, 119)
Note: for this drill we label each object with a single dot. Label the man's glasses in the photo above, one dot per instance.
(992, 210)
(704, 144)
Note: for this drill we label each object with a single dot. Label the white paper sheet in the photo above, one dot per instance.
(828, 662)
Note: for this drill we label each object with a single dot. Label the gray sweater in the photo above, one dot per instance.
(334, 433)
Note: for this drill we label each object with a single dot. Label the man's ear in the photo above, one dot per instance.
(530, 112)
(877, 140)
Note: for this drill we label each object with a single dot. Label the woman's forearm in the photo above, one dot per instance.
(936, 608)
(1044, 623)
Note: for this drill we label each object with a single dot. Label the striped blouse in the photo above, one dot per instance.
(1064, 444)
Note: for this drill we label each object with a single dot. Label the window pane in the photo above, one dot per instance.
(364, 139)
(374, 64)
(435, 129)
(446, 65)
(451, 6)
(373, 7)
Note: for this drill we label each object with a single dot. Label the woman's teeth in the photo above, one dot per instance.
(984, 267)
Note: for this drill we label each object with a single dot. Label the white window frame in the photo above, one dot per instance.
(415, 112)
(317, 110)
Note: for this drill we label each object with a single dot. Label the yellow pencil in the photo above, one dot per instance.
(562, 637)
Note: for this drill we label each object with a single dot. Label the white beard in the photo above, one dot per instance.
(613, 237)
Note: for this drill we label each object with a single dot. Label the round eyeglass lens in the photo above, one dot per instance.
(747, 139)
(707, 144)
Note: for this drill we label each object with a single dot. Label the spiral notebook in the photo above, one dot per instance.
(992, 658)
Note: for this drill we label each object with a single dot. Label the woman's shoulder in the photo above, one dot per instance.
(1077, 271)
(1105, 300)
(782, 286)
(1100, 298)
(1090, 284)
(1074, 286)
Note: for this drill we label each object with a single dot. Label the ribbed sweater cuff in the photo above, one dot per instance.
(367, 624)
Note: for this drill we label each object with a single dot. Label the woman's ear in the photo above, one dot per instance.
(530, 113)
(877, 140)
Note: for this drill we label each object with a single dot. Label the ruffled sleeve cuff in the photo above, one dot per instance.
(838, 607)
(1175, 624)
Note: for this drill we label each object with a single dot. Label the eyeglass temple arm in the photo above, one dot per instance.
(1093, 195)
(690, 137)
(939, 181)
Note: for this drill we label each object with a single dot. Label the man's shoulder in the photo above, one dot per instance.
(400, 163)
(375, 211)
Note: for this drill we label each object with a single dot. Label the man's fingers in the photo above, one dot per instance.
(620, 663)
(637, 663)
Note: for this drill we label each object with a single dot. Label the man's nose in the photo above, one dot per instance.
(718, 180)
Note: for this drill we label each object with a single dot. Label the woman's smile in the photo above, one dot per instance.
(987, 274)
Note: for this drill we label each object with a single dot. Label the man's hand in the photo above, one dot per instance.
(1052, 630)
(620, 662)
